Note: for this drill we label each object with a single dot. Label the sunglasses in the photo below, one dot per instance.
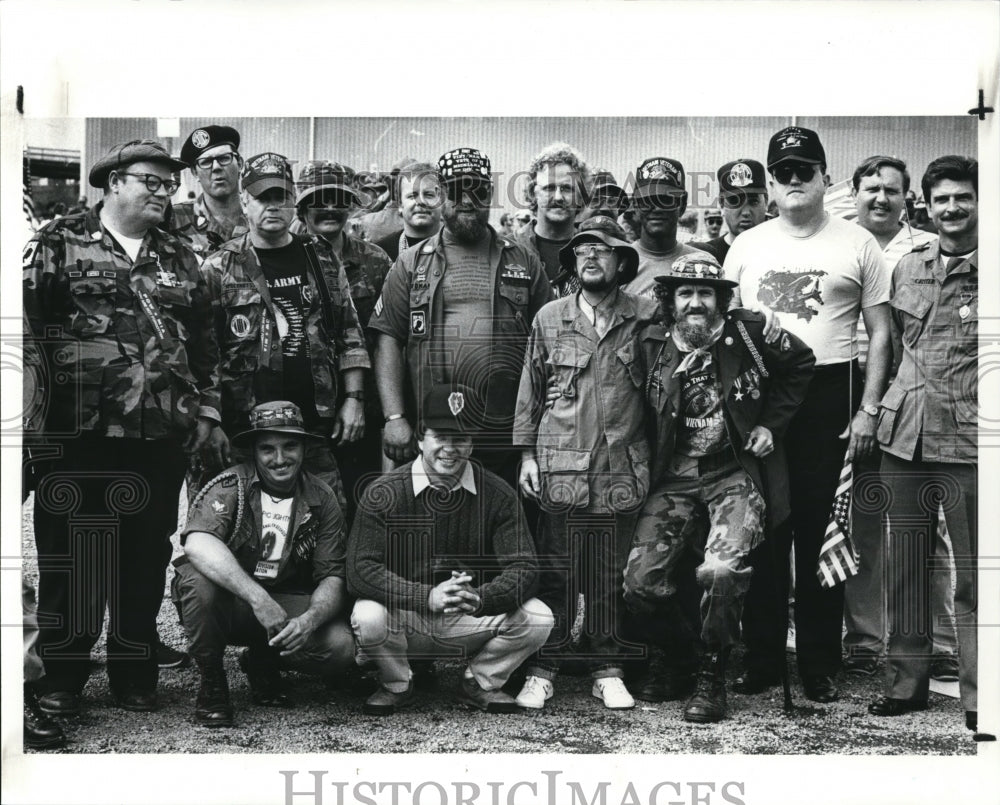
(205, 163)
(783, 173)
(713, 220)
(480, 192)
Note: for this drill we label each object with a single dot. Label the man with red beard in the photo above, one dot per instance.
(457, 309)
(743, 197)
(721, 399)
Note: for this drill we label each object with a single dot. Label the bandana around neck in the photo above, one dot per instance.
(701, 355)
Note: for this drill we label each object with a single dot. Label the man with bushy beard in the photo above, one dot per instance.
(721, 399)
(457, 309)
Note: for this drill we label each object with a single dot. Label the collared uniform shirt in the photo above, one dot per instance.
(229, 508)
(590, 444)
(249, 341)
(932, 405)
(196, 226)
(130, 345)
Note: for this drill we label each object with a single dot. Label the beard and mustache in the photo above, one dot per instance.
(697, 335)
(466, 224)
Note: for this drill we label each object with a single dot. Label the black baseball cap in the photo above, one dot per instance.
(795, 143)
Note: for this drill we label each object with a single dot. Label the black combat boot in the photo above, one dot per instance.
(708, 704)
(212, 707)
(41, 731)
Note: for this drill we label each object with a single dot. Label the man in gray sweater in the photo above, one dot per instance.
(442, 563)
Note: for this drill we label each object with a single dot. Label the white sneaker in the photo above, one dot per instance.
(536, 691)
(613, 692)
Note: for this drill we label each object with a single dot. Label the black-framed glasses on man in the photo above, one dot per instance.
(224, 160)
(154, 183)
(783, 173)
(592, 250)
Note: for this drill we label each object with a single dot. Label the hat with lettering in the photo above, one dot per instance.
(326, 179)
(602, 229)
(280, 417)
(121, 156)
(465, 165)
(659, 176)
(448, 407)
(742, 176)
(795, 142)
(699, 268)
(200, 140)
(265, 171)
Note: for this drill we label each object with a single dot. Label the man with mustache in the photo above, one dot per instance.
(928, 430)
(326, 198)
(721, 399)
(212, 154)
(585, 457)
(119, 312)
(743, 196)
(880, 186)
(457, 309)
(286, 324)
(263, 567)
(658, 202)
(821, 274)
(558, 179)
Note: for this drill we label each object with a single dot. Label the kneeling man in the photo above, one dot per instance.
(263, 567)
(442, 562)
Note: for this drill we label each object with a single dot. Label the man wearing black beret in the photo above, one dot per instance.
(212, 154)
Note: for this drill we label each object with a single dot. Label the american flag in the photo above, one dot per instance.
(27, 202)
(838, 560)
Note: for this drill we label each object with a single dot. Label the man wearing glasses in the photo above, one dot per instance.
(120, 317)
(743, 196)
(659, 201)
(212, 154)
(457, 309)
(819, 274)
(286, 325)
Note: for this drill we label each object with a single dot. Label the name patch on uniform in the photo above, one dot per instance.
(240, 325)
(266, 570)
(929, 281)
(418, 322)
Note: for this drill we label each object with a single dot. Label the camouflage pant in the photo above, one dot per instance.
(720, 518)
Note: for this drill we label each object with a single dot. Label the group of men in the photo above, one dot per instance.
(433, 444)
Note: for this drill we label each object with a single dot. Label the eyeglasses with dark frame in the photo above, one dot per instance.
(224, 160)
(154, 183)
(783, 173)
(592, 250)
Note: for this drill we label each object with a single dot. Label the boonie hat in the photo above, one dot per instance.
(326, 177)
(602, 229)
(121, 156)
(795, 142)
(201, 139)
(264, 171)
(696, 269)
(279, 416)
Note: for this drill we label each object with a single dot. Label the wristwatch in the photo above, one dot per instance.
(871, 410)
(354, 395)
(393, 417)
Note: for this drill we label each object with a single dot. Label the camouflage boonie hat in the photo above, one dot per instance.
(326, 177)
(121, 156)
(696, 269)
(279, 416)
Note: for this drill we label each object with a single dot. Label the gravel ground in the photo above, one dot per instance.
(573, 722)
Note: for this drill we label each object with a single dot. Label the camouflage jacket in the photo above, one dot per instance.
(761, 384)
(194, 224)
(247, 331)
(129, 347)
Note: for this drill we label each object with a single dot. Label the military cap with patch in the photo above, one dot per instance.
(265, 171)
(448, 408)
(326, 178)
(201, 139)
(465, 165)
(602, 229)
(795, 142)
(121, 156)
(700, 268)
(659, 176)
(280, 417)
(742, 176)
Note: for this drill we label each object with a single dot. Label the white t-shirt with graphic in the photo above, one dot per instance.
(276, 520)
(817, 285)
